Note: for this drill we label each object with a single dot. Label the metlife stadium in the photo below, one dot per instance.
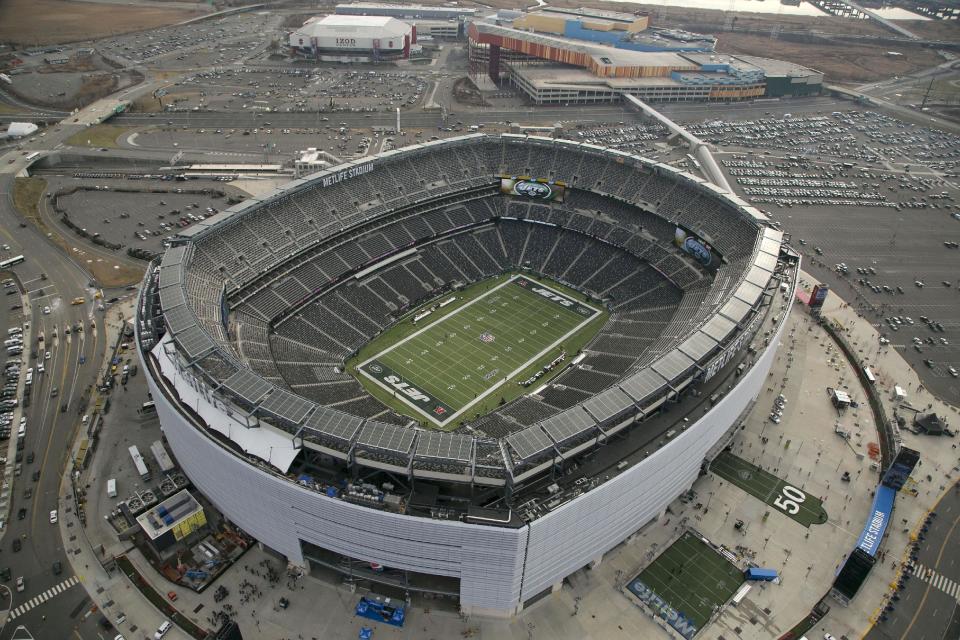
(245, 324)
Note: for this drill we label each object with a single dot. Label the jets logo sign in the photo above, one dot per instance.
(406, 391)
(533, 189)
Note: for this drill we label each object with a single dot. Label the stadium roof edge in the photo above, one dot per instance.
(697, 344)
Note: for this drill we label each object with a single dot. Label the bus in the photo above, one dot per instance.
(15, 260)
(139, 463)
(869, 375)
(33, 155)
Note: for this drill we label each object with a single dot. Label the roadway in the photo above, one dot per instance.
(467, 115)
(927, 607)
(50, 432)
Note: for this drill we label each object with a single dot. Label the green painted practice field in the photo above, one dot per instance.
(770, 489)
(488, 346)
(686, 583)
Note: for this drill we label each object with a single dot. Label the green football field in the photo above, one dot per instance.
(686, 583)
(770, 489)
(488, 344)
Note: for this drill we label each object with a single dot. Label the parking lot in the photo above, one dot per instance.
(871, 202)
(120, 216)
(293, 89)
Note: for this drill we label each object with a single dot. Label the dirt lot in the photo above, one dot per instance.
(841, 63)
(32, 22)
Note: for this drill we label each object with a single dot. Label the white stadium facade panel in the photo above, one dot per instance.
(498, 568)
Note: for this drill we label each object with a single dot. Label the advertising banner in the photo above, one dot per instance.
(535, 189)
(872, 532)
(695, 246)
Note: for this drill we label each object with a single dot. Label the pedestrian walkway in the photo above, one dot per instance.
(49, 594)
(936, 580)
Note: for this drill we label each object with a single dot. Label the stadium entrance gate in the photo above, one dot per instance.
(382, 579)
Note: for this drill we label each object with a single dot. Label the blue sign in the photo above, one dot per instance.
(676, 619)
(879, 518)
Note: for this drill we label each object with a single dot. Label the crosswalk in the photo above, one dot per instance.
(937, 581)
(52, 592)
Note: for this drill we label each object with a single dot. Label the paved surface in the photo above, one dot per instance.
(49, 431)
(927, 606)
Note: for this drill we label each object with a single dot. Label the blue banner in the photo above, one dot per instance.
(879, 519)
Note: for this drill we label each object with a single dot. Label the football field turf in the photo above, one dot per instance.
(770, 489)
(686, 583)
(448, 365)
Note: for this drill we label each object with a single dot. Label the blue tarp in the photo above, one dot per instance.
(381, 610)
(879, 519)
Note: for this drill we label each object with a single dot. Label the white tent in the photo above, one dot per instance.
(21, 129)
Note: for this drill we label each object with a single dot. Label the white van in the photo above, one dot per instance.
(163, 629)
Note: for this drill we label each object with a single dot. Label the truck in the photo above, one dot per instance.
(760, 574)
(160, 455)
(139, 463)
(112, 487)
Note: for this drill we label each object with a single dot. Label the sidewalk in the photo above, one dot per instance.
(111, 591)
(939, 461)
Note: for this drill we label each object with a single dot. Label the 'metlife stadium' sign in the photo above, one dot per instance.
(346, 174)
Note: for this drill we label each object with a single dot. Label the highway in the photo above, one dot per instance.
(471, 115)
(50, 432)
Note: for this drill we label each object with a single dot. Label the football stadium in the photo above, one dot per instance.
(467, 368)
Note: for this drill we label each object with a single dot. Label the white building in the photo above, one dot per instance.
(309, 161)
(20, 130)
(340, 38)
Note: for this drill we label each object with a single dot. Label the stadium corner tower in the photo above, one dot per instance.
(248, 324)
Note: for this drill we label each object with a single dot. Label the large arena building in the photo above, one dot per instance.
(350, 38)
(583, 56)
(297, 347)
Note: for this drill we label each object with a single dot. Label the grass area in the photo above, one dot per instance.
(158, 600)
(465, 359)
(99, 135)
(9, 109)
(770, 489)
(26, 196)
(27, 193)
(145, 104)
(686, 583)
